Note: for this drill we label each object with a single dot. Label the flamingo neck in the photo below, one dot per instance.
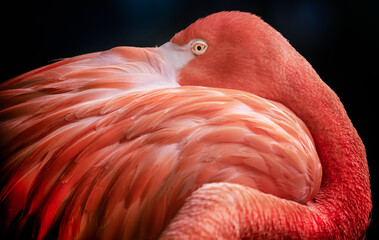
(345, 195)
(343, 203)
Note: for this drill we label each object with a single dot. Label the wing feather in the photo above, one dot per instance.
(107, 145)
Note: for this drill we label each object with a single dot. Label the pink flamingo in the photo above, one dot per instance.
(141, 143)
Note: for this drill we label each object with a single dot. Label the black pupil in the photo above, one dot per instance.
(198, 48)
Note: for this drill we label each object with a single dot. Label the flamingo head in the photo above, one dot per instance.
(238, 50)
(235, 50)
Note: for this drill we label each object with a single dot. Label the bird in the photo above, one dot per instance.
(224, 132)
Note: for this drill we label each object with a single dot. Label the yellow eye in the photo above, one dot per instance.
(199, 47)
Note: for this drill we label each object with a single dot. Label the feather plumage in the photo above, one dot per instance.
(111, 141)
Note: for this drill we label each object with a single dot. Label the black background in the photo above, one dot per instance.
(339, 38)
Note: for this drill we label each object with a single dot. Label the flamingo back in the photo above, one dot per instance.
(108, 145)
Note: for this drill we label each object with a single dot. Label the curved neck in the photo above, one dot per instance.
(344, 196)
(341, 208)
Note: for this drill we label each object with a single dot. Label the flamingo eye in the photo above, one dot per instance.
(199, 47)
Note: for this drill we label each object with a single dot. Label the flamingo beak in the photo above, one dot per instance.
(178, 56)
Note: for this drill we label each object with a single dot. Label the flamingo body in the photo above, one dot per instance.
(114, 144)
(99, 134)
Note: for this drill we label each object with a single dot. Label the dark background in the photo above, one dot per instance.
(339, 38)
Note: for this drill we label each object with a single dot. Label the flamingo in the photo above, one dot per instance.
(225, 132)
